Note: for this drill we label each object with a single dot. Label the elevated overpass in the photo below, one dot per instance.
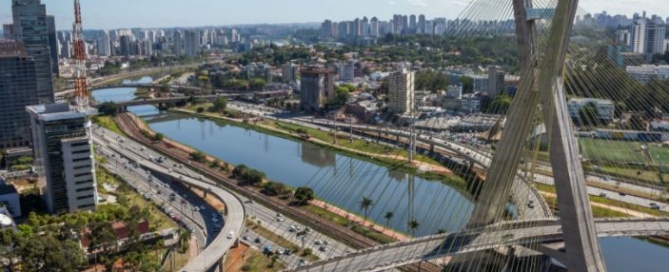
(235, 212)
(498, 235)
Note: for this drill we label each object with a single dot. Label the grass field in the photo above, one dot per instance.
(612, 151)
(660, 154)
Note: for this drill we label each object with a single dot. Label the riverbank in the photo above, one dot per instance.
(429, 171)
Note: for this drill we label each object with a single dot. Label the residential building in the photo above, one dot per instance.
(31, 29)
(605, 108)
(401, 91)
(125, 48)
(316, 87)
(471, 103)
(192, 43)
(18, 89)
(422, 25)
(104, 44)
(643, 73)
(647, 36)
(495, 81)
(177, 43)
(346, 70)
(326, 29)
(290, 71)
(62, 152)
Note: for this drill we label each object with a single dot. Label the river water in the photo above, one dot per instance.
(343, 181)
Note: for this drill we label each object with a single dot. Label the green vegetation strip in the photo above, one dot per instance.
(339, 220)
(108, 123)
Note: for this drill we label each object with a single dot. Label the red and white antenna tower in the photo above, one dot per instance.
(80, 82)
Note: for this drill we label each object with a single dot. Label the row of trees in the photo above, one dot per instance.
(366, 203)
(248, 176)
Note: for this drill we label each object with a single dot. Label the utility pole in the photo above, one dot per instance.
(350, 122)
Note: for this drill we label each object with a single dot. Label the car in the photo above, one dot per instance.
(257, 240)
(245, 237)
(302, 261)
(322, 249)
(230, 235)
(602, 195)
(279, 219)
(196, 208)
(622, 194)
(530, 205)
(317, 242)
(654, 206)
(325, 242)
(214, 215)
(214, 219)
(287, 252)
(292, 228)
(507, 236)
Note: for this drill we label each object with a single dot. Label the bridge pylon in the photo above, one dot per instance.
(541, 84)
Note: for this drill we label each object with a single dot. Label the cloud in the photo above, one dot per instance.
(421, 3)
(392, 3)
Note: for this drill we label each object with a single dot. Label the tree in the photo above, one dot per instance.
(159, 137)
(108, 108)
(220, 104)
(257, 84)
(500, 105)
(303, 195)
(388, 216)
(365, 204)
(588, 115)
(467, 84)
(637, 122)
(413, 225)
(164, 88)
(198, 156)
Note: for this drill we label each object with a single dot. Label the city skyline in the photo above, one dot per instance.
(118, 14)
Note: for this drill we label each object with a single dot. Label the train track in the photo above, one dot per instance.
(353, 239)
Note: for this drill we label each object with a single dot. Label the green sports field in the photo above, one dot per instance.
(614, 151)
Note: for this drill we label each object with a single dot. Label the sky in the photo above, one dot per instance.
(111, 14)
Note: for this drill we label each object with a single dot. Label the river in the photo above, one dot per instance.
(343, 181)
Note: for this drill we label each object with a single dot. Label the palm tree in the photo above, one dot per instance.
(365, 203)
(388, 216)
(413, 225)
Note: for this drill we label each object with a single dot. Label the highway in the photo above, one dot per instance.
(495, 236)
(267, 216)
(234, 219)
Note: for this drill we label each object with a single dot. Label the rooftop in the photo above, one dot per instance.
(58, 111)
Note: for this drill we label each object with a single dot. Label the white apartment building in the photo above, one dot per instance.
(643, 73)
(605, 108)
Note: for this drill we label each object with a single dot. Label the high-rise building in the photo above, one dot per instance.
(401, 91)
(655, 35)
(192, 43)
(18, 89)
(147, 48)
(66, 50)
(326, 29)
(104, 44)
(8, 31)
(421, 24)
(178, 43)
(125, 47)
(374, 27)
(53, 44)
(495, 81)
(412, 22)
(316, 87)
(32, 30)
(346, 70)
(62, 150)
(290, 71)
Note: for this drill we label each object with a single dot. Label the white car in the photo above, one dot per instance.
(231, 234)
(214, 219)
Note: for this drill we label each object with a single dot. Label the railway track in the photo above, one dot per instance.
(353, 239)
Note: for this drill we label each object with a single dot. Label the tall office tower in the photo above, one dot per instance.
(63, 156)
(335, 29)
(344, 29)
(31, 29)
(326, 29)
(8, 31)
(357, 27)
(495, 81)
(113, 36)
(365, 27)
(316, 87)
(412, 22)
(397, 24)
(374, 27)
(421, 24)
(18, 89)
(177, 43)
(234, 35)
(66, 50)
(401, 91)
(125, 48)
(405, 23)
(104, 44)
(192, 42)
(53, 44)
